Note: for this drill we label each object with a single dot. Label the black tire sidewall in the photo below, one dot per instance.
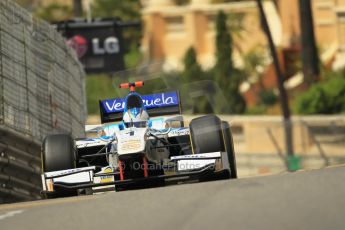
(229, 146)
(206, 134)
(58, 153)
(210, 134)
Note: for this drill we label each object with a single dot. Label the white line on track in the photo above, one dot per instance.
(10, 214)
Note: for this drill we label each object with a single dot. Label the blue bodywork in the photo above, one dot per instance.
(152, 101)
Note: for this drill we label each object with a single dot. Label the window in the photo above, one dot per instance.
(175, 24)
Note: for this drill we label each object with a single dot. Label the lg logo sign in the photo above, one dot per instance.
(110, 46)
(99, 50)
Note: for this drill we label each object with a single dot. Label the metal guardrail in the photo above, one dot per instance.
(42, 91)
(19, 167)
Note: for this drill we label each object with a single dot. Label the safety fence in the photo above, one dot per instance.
(42, 91)
(318, 141)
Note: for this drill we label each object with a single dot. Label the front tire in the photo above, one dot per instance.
(210, 134)
(58, 154)
(229, 146)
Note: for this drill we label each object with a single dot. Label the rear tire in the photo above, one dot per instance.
(210, 134)
(58, 154)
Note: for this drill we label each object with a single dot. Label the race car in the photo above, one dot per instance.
(142, 142)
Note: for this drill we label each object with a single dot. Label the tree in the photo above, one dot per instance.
(193, 73)
(192, 70)
(237, 29)
(311, 70)
(253, 65)
(280, 81)
(325, 97)
(224, 64)
(224, 71)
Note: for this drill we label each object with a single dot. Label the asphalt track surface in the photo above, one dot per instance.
(301, 200)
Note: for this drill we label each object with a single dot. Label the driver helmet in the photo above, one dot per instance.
(135, 114)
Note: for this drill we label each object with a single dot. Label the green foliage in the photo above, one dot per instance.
(98, 87)
(133, 57)
(224, 64)
(268, 97)
(256, 110)
(55, 12)
(192, 70)
(224, 71)
(193, 73)
(236, 26)
(253, 60)
(325, 97)
(127, 10)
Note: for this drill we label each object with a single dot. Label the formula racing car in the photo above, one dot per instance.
(142, 142)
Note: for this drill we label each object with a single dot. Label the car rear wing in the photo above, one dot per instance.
(158, 104)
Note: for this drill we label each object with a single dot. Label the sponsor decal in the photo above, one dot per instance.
(110, 46)
(197, 156)
(79, 44)
(186, 165)
(179, 132)
(109, 178)
(150, 101)
(105, 178)
(98, 43)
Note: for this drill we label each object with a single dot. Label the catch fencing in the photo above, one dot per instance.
(318, 142)
(42, 91)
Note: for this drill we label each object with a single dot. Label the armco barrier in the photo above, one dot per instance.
(20, 167)
(42, 91)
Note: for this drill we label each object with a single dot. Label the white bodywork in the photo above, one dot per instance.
(84, 143)
(195, 161)
(131, 141)
(78, 175)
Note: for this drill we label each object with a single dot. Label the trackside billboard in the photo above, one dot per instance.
(98, 44)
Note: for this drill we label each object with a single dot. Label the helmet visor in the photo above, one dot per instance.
(138, 124)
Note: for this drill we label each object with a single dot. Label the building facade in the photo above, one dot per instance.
(170, 29)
